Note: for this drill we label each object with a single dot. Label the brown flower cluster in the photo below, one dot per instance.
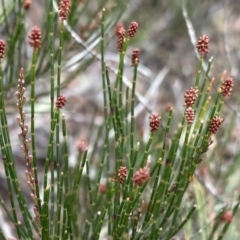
(135, 57)
(122, 174)
(123, 34)
(227, 216)
(64, 9)
(141, 176)
(82, 146)
(154, 122)
(189, 114)
(215, 124)
(61, 101)
(102, 188)
(191, 96)
(132, 30)
(27, 4)
(35, 38)
(202, 45)
(2, 49)
(119, 29)
(227, 87)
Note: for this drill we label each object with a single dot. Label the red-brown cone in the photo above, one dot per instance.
(27, 4)
(121, 32)
(132, 30)
(191, 96)
(35, 38)
(64, 9)
(154, 122)
(122, 174)
(135, 57)
(61, 101)
(215, 124)
(189, 114)
(202, 45)
(227, 216)
(2, 49)
(119, 29)
(82, 146)
(141, 176)
(227, 87)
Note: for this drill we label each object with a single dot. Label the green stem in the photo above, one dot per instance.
(33, 66)
(199, 71)
(132, 113)
(49, 150)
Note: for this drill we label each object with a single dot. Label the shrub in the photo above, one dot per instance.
(138, 190)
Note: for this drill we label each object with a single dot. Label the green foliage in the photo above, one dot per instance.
(138, 190)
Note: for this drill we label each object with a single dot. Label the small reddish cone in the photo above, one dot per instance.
(27, 4)
(202, 45)
(132, 30)
(227, 216)
(61, 101)
(64, 9)
(154, 122)
(141, 176)
(119, 29)
(191, 96)
(122, 174)
(2, 49)
(189, 114)
(227, 87)
(135, 57)
(215, 124)
(121, 33)
(82, 146)
(35, 38)
(102, 188)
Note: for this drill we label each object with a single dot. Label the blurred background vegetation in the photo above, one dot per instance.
(168, 31)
